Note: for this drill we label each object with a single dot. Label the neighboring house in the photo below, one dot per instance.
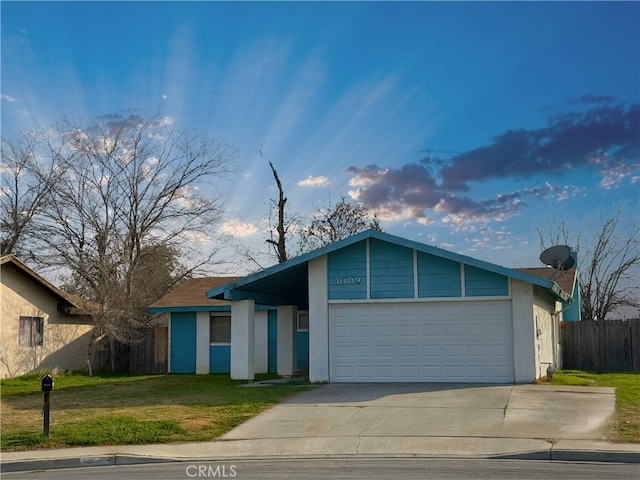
(200, 331)
(386, 309)
(42, 327)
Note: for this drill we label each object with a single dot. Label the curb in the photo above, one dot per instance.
(116, 459)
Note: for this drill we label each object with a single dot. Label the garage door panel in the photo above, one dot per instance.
(386, 331)
(477, 350)
(408, 351)
(478, 371)
(438, 342)
(453, 330)
(429, 330)
(431, 351)
(365, 332)
(407, 331)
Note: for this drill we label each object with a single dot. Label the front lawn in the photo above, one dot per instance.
(130, 409)
(627, 387)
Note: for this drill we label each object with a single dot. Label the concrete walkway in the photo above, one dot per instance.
(440, 420)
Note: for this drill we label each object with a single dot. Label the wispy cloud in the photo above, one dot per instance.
(312, 181)
(238, 228)
(8, 98)
(605, 139)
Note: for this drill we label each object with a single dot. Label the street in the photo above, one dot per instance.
(347, 468)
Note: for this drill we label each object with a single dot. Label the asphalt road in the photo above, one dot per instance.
(341, 468)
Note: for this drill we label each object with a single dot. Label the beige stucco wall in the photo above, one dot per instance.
(66, 337)
(546, 331)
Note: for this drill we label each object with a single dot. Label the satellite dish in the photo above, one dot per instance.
(570, 262)
(557, 257)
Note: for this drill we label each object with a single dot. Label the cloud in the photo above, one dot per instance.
(312, 181)
(604, 140)
(405, 192)
(568, 142)
(8, 98)
(238, 228)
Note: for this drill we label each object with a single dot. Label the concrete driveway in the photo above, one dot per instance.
(415, 415)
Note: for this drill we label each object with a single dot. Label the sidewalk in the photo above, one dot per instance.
(441, 447)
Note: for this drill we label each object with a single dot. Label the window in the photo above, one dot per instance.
(31, 331)
(303, 321)
(220, 328)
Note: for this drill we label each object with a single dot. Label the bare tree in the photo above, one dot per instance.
(30, 169)
(130, 189)
(335, 222)
(608, 264)
(282, 226)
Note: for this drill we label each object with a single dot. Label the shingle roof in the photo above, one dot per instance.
(566, 280)
(192, 294)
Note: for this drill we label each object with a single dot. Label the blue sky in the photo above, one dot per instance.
(462, 125)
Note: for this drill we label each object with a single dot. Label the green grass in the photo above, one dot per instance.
(627, 387)
(130, 409)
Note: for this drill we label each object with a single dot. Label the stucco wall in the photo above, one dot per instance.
(546, 331)
(66, 337)
(524, 334)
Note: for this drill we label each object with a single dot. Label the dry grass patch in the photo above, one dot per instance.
(113, 410)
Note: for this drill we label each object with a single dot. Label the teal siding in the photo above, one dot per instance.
(573, 313)
(482, 283)
(272, 342)
(347, 270)
(438, 277)
(302, 351)
(391, 269)
(183, 342)
(220, 359)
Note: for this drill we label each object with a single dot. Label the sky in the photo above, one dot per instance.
(465, 125)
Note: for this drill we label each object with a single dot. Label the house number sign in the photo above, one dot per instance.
(348, 281)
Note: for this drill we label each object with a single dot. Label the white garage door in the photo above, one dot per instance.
(422, 342)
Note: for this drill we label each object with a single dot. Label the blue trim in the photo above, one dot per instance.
(202, 308)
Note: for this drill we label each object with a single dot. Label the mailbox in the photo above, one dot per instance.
(47, 383)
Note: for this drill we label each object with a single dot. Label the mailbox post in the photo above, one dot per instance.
(47, 386)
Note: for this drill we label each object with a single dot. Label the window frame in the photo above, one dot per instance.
(214, 316)
(35, 335)
(302, 329)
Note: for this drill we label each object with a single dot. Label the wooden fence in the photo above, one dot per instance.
(604, 346)
(148, 355)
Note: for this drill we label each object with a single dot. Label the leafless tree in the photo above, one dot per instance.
(608, 264)
(283, 225)
(131, 189)
(335, 222)
(30, 169)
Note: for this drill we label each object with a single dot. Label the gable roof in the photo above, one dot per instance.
(71, 304)
(191, 295)
(289, 278)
